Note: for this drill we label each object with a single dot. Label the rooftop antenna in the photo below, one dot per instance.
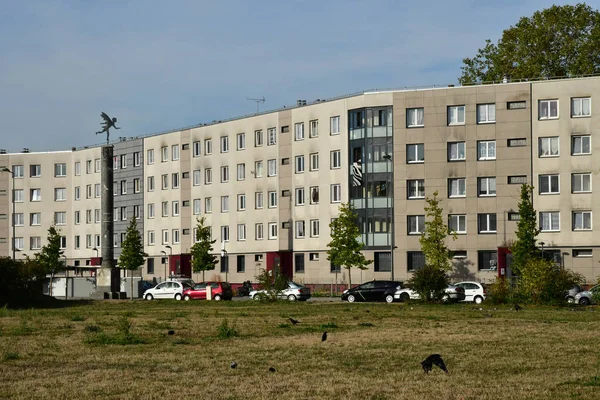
(261, 100)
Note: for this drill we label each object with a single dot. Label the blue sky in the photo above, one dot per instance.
(159, 65)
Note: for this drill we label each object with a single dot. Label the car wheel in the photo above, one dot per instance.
(149, 297)
(187, 297)
(478, 300)
(291, 297)
(389, 298)
(351, 298)
(256, 297)
(178, 296)
(217, 297)
(570, 299)
(445, 298)
(584, 301)
(404, 296)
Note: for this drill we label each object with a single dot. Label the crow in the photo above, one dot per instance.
(324, 337)
(434, 359)
(294, 321)
(233, 365)
(271, 369)
(171, 333)
(518, 307)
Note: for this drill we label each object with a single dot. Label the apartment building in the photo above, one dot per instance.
(270, 184)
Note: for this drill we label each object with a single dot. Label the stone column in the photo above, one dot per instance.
(107, 278)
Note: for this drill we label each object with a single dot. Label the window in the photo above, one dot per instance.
(415, 153)
(150, 184)
(196, 205)
(314, 228)
(18, 196)
(299, 196)
(582, 252)
(487, 259)
(150, 210)
(136, 159)
(581, 107)
(383, 261)
(272, 230)
(335, 159)
(456, 151)
(241, 172)
(88, 216)
(272, 136)
(175, 207)
(548, 109)
(35, 243)
(88, 192)
(35, 194)
(272, 168)
(60, 194)
(225, 233)
(116, 214)
(60, 170)
(77, 193)
(208, 205)
(415, 260)
(299, 129)
(457, 187)
(258, 138)
(486, 113)
(60, 218)
(77, 217)
(336, 193)
(35, 219)
(136, 185)
(196, 177)
(416, 224)
(207, 147)
(549, 146)
(486, 187)
(314, 195)
(456, 115)
(123, 161)
(88, 166)
(550, 221)
(486, 150)
(165, 208)
(175, 236)
(175, 180)
(164, 154)
(516, 142)
(581, 183)
(416, 188)
(272, 199)
(97, 215)
(224, 144)
(517, 180)
(258, 200)
(314, 129)
(414, 117)
(581, 145)
(299, 262)
(299, 164)
(123, 187)
(334, 125)
(582, 220)
(300, 231)
(150, 240)
(136, 212)
(486, 223)
(208, 176)
(88, 241)
(549, 184)
(224, 204)
(77, 170)
(241, 202)
(196, 149)
(97, 190)
(259, 231)
(124, 213)
(457, 223)
(241, 261)
(514, 216)
(150, 157)
(18, 171)
(224, 174)
(35, 171)
(165, 236)
(18, 219)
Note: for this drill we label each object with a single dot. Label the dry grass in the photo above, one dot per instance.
(540, 353)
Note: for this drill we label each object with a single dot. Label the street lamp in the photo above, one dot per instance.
(164, 263)
(542, 246)
(170, 254)
(5, 169)
(390, 195)
(225, 258)
(66, 277)
(96, 250)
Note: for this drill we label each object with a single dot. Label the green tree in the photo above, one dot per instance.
(432, 279)
(524, 247)
(132, 250)
(345, 248)
(50, 255)
(557, 41)
(202, 257)
(544, 282)
(272, 282)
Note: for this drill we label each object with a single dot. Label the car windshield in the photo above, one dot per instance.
(295, 285)
(186, 285)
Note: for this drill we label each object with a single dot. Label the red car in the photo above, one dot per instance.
(219, 291)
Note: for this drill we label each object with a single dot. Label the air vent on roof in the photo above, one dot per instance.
(450, 85)
(73, 148)
(2, 151)
(25, 150)
(300, 103)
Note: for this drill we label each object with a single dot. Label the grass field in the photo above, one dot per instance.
(122, 349)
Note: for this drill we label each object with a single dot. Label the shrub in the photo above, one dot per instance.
(429, 282)
(543, 282)
(224, 331)
(272, 285)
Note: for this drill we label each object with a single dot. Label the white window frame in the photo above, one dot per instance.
(224, 143)
(334, 125)
(271, 168)
(458, 187)
(151, 238)
(175, 236)
(271, 136)
(460, 221)
(582, 138)
(416, 183)
(485, 183)
(165, 209)
(457, 146)
(35, 242)
(241, 232)
(197, 206)
(487, 223)
(60, 170)
(150, 210)
(197, 148)
(550, 141)
(241, 172)
(336, 193)
(581, 177)
(486, 150)
(299, 198)
(207, 205)
(314, 161)
(299, 164)
(314, 228)
(259, 200)
(272, 198)
(207, 147)
(165, 236)
(413, 119)
(300, 229)
(240, 141)
(164, 154)
(583, 220)
(136, 159)
(313, 128)
(272, 227)
(299, 131)
(175, 152)
(150, 156)
(418, 154)
(35, 219)
(549, 178)
(208, 176)
(335, 159)
(175, 208)
(197, 177)
(581, 100)
(224, 204)
(224, 173)
(60, 194)
(258, 169)
(241, 202)
(224, 233)
(420, 223)
(547, 104)
(454, 115)
(258, 138)
(547, 216)
(484, 114)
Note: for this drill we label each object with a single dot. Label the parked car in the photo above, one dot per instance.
(294, 292)
(588, 297)
(182, 279)
(474, 291)
(167, 290)
(372, 291)
(572, 292)
(451, 293)
(219, 291)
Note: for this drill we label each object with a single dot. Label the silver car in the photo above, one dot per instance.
(588, 297)
(294, 292)
(451, 293)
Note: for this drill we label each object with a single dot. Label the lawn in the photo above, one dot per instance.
(123, 349)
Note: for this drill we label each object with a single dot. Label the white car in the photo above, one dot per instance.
(474, 291)
(294, 291)
(166, 290)
(451, 293)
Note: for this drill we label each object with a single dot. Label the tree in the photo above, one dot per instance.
(344, 248)
(432, 279)
(50, 255)
(202, 257)
(132, 250)
(272, 282)
(524, 249)
(557, 41)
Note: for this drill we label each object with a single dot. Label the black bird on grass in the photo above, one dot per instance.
(294, 321)
(324, 337)
(518, 307)
(171, 333)
(271, 369)
(233, 365)
(434, 359)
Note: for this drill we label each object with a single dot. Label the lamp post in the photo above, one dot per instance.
(225, 258)
(542, 246)
(66, 278)
(5, 169)
(170, 254)
(390, 195)
(164, 263)
(96, 250)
